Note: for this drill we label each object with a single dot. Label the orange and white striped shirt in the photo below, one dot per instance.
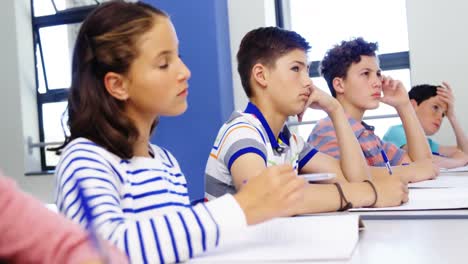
(323, 137)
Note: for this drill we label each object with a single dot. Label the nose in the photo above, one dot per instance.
(184, 73)
(307, 81)
(377, 82)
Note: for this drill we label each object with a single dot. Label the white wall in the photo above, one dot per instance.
(18, 108)
(439, 51)
(245, 15)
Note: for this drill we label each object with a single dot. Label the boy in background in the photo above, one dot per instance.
(354, 78)
(432, 103)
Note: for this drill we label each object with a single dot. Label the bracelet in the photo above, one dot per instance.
(375, 193)
(347, 205)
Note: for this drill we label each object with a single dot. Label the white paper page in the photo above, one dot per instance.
(429, 199)
(459, 169)
(445, 181)
(294, 238)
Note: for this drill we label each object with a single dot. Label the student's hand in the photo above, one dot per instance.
(394, 93)
(444, 92)
(275, 192)
(420, 170)
(391, 191)
(319, 99)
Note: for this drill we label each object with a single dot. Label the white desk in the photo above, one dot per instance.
(410, 241)
(413, 241)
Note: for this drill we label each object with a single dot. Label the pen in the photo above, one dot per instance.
(90, 226)
(387, 163)
(438, 154)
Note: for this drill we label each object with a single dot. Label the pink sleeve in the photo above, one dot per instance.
(323, 138)
(31, 233)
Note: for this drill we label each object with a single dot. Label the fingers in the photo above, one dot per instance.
(446, 85)
(405, 199)
(405, 188)
(292, 187)
(283, 168)
(283, 173)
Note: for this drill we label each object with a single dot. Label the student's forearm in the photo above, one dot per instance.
(462, 139)
(457, 159)
(451, 162)
(321, 198)
(418, 148)
(352, 161)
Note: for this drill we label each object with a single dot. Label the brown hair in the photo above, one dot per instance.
(106, 43)
(265, 45)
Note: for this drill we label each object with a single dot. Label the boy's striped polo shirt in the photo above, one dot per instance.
(323, 137)
(249, 132)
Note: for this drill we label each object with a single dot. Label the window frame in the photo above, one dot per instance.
(58, 94)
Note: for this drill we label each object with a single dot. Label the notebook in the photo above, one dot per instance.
(443, 181)
(303, 238)
(429, 199)
(459, 169)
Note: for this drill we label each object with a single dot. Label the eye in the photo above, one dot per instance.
(295, 68)
(163, 62)
(163, 66)
(366, 73)
(435, 108)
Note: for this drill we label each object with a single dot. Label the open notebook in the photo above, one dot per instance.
(329, 237)
(443, 181)
(459, 169)
(429, 199)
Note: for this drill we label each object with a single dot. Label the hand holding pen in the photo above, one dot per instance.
(387, 163)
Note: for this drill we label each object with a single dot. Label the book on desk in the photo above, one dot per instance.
(302, 238)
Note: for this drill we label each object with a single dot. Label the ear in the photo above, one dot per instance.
(260, 74)
(414, 103)
(116, 85)
(338, 85)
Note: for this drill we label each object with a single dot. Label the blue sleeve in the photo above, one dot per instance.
(396, 135)
(434, 145)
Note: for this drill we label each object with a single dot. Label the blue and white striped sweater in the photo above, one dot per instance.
(142, 204)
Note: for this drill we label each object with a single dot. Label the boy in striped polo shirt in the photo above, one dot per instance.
(354, 78)
(273, 67)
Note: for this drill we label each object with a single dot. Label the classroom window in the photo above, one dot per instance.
(55, 27)
(326, 23)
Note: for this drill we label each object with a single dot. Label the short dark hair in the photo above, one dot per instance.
(422, 92)
(338, 59)
(265, 45)
(106, 42)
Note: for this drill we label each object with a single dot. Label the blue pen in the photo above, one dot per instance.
(438, 154)
(90, 226)
(387, 163)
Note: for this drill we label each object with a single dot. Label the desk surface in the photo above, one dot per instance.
(413, 241)
(410, 241)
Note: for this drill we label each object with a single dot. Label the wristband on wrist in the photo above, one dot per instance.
(344, 203)
(375, 193)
